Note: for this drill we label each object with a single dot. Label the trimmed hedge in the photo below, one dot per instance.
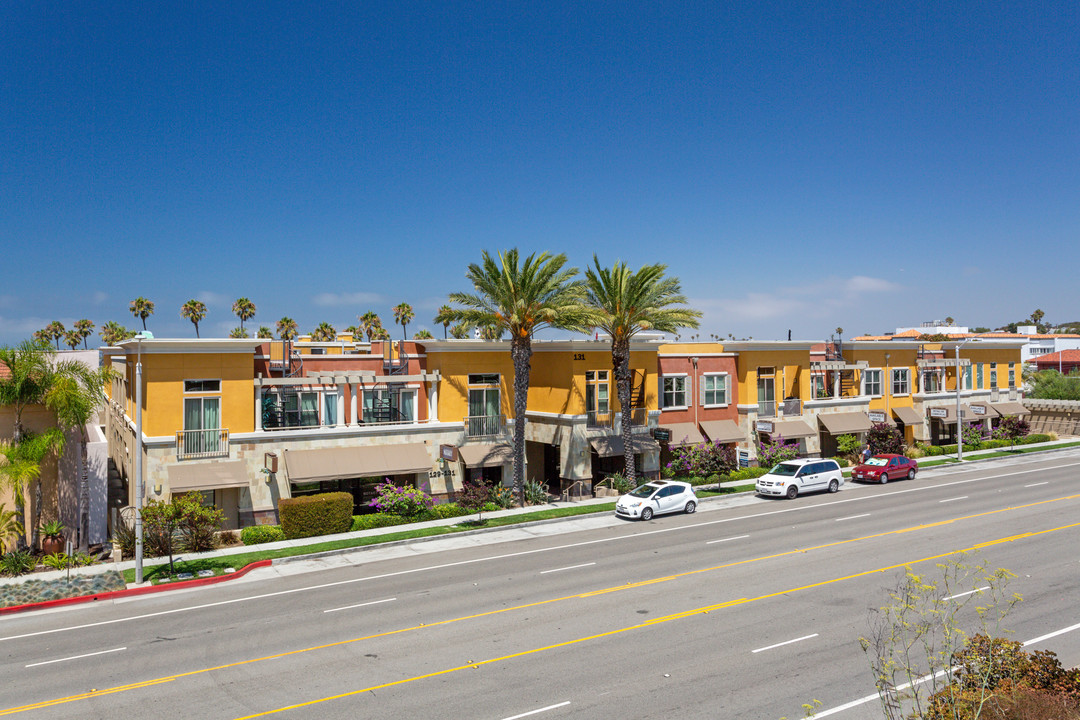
(314, 515)
(741, 475)
(377, 520)
(257, 534)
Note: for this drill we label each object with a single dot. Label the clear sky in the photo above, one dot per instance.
(798, 166)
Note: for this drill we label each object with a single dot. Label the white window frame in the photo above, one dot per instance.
(375, 392)
(968, 373)
(1012, 376)
(993, 376)
(685, 391)
(726, 389)
(901, 375)
(215, 391)
(867, 382)
(600, 379)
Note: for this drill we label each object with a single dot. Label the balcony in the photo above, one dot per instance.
(193, 444)
(766, 408)
(638, 417)
(478, 426)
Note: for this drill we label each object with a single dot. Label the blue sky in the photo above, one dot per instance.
(798, 166)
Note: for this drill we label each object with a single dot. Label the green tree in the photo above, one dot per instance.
(1052, 385)
(460, 332)
(85, 329)
(625, 303)
(323, 332)
(113, 332)
(55, 331)
(1037, 316)
(423, 335)
(442, 317)
(238, 333)
(142, 309)
(382, 333)
(286, 328)
(195, 311)
(9, 525)
(21, 466)
(243, 309)
(72, 338)
(403, 313)
(265, 333)
(370, 322)
(522, 298)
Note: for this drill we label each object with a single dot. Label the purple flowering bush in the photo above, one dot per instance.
(885, 439)
(702, 460)
(1011, 427)
(778, 450)
(404, 501)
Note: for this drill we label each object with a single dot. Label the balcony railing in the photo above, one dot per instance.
(192, 444)
(793, 406)
(484, 425)
(766, 408)
(638, 417)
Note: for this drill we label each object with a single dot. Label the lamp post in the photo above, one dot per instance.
(139, 458)
(959, 421)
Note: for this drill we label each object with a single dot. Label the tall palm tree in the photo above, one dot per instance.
(265, 333)
(442, 318)
(9, 525)
(194, 311)
(522, 298)
(403, 313)
(324, 332)
(113, 332)
(423, 335)
(72, 338)
(238, 332)
(86, 329)
(286, 328)
(56, 331)
(142, 309)
(370, 321)
(243, 309)
(625, 303)
(75, 394)
(381, 333)
(460, 332)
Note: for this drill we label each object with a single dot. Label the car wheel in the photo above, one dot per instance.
(834, 486)
(691, 507)
(646, 514)
(792, 492)
(911, 474)
(883, 479)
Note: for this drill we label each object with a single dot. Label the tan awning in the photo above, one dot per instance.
(684, 434)
(1010, 408)
(845, 423)
(791, 429)
(612, 445)
(987, 412)
(360, 461)
(950, 414)
(207, 476)
(723, 431)
(486, 455)
(908, 415)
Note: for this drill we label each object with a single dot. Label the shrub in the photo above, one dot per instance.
(749, 473)
(621, 484)
(1011, 427)
(312, 515)
(490, 507)
(774, 451)
(375, 520)
(124, 536)
(701, 460)
(848, 445)
(1036, 438)
(502, 496)
(183, 523)
(258, 534)
(536, 493)
(973, 436)
(447, 510)
(57, 561)
(841, 461)
(885, 438)
(16, 562)
(404, 501)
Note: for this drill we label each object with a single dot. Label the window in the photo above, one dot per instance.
(900, 381)
(1012, 376)
(817, 386)
(993, 375)
(389, 406)
(715, 389)
(931, 381)
(201, 386)
(298, 409)
(484, 379)
(872, 382)
(202, 413)
(979, 376)
(766, 392)
(674, 391)
(597, 392)
(967, 378)
(330, 414)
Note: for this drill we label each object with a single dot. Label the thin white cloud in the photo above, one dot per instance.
(355, 299)
(100, 297)
(213, 299)
(27, 325)
(862, 284)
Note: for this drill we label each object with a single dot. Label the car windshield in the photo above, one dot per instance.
(644, 491)
(785, 470)
(878, 462)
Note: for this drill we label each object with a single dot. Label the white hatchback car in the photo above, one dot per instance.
(656, 498)
(791, 477)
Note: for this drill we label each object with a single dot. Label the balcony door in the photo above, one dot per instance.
(202, 425)
(766, 392)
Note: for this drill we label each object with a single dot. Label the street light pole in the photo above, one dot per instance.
(959, 422)
(138, 464)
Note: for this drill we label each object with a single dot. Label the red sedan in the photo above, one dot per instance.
(883, 468)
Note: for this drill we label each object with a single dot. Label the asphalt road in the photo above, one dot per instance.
(747, 609)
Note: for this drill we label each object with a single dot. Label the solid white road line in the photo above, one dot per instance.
(535, 712)
(969, 592)
(852, 517)
(962, 497)
(1037, 484)
(1047, 636)
(76, 657)
(350, 607)
(787, 642)
(261, 596)
(737, 537)
(572, 567)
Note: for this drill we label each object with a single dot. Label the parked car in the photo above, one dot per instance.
(792, 477)
(656, 498)
(883, 468)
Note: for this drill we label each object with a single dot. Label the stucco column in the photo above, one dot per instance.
(340, 405)
(258, 409)
(433, 401)
(354, 390)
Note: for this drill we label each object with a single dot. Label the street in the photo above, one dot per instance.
(747, 609)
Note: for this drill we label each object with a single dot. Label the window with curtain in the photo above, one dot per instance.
(203, 415)
(330, 415)
(381, 406)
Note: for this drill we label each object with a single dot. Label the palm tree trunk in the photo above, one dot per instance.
(84, 494)
(620, 358)
(20, 493)
(521, 352)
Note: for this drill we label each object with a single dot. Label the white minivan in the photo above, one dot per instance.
(791, 477)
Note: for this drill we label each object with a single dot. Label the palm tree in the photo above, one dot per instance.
(522, 298)
(75, 394)
(194, 311)
(286, 328)
(626, 303)
(55, 331)
(113, 332)
(86, 329)
(265, 333)
(423, 335)
(370, 321)
(460, 331)
(442, 318)
(22, 465)
(142, 309)
(324, 332)
(353, 331)
(72, 338)
(381, 333)
(403, 313)
(9, 525)
(243, 309)
(237, 333)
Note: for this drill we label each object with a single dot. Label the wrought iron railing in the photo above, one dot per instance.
(484, 425)
(192, 444)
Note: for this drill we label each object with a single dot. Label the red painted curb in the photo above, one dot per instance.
(127, 592)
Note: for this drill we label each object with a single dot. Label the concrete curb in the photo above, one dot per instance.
(128, 592)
